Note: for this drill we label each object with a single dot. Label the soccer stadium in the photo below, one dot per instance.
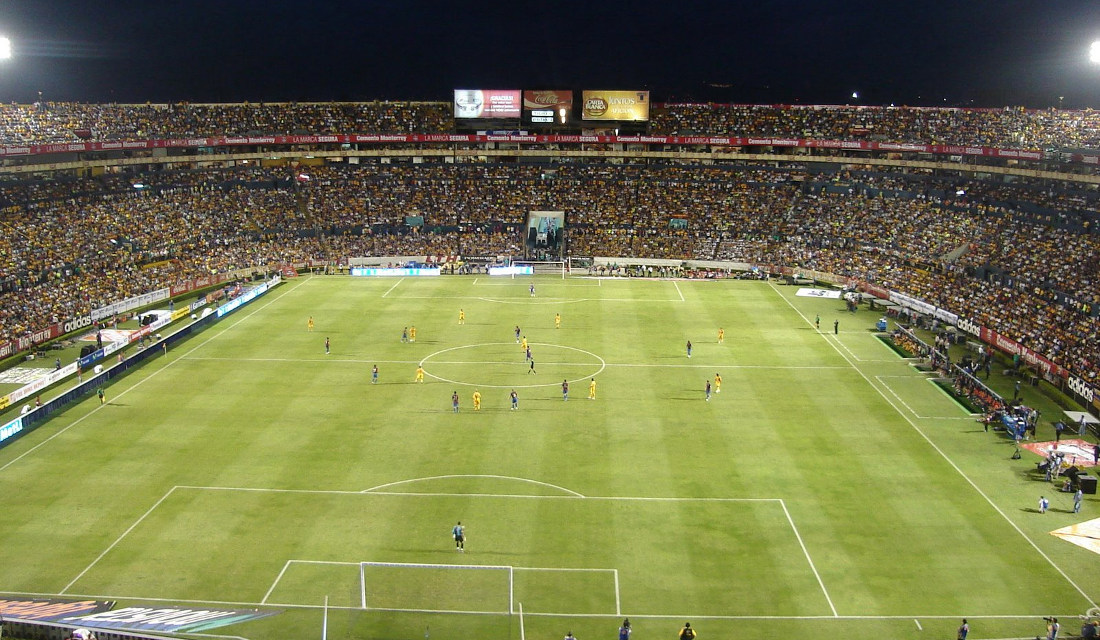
(376, 370)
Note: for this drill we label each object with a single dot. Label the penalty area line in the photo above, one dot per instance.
(810, 560)
(117, 540)
(393, 287)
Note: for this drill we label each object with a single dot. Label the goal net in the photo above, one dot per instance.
(555, 268)
(579, 266)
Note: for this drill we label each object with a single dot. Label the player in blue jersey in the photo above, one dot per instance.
(458, 532)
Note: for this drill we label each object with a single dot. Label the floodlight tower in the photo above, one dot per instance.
(5, 48)
(1094, 52)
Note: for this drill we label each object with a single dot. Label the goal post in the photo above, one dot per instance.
(579, 265)
(556, 268)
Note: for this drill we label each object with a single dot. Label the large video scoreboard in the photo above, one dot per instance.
(618, 106)
(487, 104)
(547, 108)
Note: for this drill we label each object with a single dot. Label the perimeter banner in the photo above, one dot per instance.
(416, 138)
(50, 609)
(818, 293)
(170, 619)
(1033, 358)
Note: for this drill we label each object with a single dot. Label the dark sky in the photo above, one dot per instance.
(958, 52)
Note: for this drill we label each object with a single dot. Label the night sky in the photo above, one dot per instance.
(956, 53)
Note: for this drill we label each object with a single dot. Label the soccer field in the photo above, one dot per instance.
(828, 489)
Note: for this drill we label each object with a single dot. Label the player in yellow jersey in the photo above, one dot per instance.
(721, 335)
(461, 317)
(592, 389)
(523, 344)
(412, 333)
(419, 373)
(477, 400)
(309, 324)
(718, 383)
(557, 321)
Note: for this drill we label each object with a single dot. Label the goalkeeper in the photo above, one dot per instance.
(459, 534)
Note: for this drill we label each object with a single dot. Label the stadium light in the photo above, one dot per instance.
(1094, 52)
(5, 48)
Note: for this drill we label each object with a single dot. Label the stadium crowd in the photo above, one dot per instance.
(58, 122)
(1002, 128)
(69, 247)
(44, 123)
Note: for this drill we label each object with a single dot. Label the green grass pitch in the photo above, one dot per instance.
(829, 489)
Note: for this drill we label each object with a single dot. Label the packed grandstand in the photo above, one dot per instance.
(1012, 247)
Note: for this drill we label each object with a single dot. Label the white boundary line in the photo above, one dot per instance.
(654, 616)
(894, 393)
(845, 347)
(958, 405)
(418, 565)
(472, 475)
(618, 599)
(277, 579)
(678, 292)
(609, 364)
(118, 540)
(474, 495)
(572, 495)
(887, 386)
(949, 461)
(393, 287)
(522, 633)
(528, 300)
(425, 360)
(810, 560)
(524, 286)
(428, 565)
(151, 375)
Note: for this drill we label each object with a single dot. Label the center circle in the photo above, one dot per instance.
(495, 363)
